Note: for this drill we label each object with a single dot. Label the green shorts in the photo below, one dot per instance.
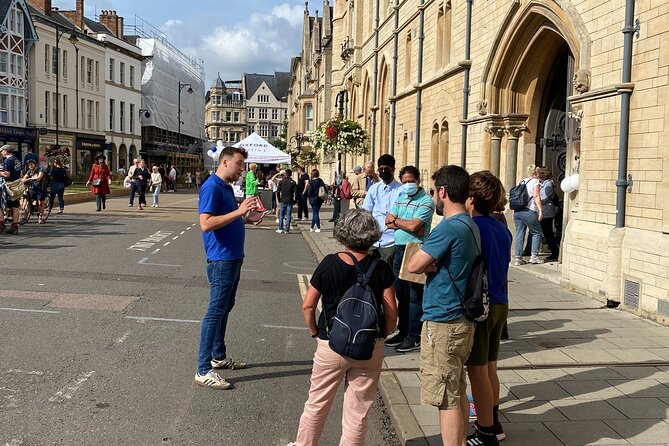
(487, 336)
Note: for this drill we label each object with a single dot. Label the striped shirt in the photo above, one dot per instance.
(420, 206)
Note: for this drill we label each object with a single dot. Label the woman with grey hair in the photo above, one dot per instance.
(357, 231)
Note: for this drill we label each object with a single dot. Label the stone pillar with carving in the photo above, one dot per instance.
(496, 133)
(514, 132)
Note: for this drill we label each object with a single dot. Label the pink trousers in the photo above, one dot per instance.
(361, 379)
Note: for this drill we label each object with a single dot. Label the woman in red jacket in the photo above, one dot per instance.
(100, 179)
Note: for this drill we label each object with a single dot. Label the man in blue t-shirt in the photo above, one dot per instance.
(485, 192)
(11, 172)
(222, 224)
(446, 339)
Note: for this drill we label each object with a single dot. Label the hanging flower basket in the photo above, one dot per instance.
(340, 136)
(58, 153)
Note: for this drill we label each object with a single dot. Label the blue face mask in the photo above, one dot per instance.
(410, 188)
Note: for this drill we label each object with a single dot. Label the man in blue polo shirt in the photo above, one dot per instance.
(411, 218)
(222, 224)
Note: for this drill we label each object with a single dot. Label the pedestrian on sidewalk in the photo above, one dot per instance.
(173, 178)
(156, 184)
(99, 180)
(287, 196)
(251, 181)
(142, 177)
(485, 191)
(316, 185)
(133, 184)
(529, 218)
(447, 257)
(346, 194)
(222, 223)
(58, 179)
(411, 219)
(379, 199)
(336, 273)
(302, 200)
(549, 204)
(336, 196)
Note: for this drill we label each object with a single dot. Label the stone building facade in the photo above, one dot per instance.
(266, 97)
(225, 112)
(545, 86)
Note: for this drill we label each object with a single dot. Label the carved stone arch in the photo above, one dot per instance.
(384, 105)
(509, 71)
(434, 147)
(366, 112)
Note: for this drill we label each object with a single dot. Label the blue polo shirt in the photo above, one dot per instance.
(496, 247)
(226, 243)
(420, 206)
(452, 245)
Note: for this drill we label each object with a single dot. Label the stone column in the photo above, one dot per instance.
(496, 133)
(513, 132)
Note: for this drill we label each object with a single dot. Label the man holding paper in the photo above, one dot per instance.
(411, 218)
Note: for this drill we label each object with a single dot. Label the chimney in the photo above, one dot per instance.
(43, 6)
(109, 19)
(119, 31)
(76, 16)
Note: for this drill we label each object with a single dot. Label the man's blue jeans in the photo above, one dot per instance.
(223, 277)
(285, 211)
(522, 219)
(409, 301)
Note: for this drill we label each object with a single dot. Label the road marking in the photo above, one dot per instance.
(122, 339)
(182, 232)
(148, 242)
(144, 262)
(167, 243)
(284, 327)
(144, 319)
(174, 238)
(27, 310)
(23, 372)
(14, 442)
(303, 281)
(67, 392)
(155, 251)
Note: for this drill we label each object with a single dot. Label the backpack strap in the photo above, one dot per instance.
(462, 299)
(363, 277)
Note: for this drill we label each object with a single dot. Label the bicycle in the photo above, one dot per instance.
(29, 206)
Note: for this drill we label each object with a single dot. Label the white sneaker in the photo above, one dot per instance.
(212, 380)
(277, 220)
(311, 229)
(536, 260)
(317, 230)
(279, 231)
(519, 261)
(227, 363)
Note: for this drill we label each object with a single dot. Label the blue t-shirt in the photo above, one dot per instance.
(451, 243)
(496, 246)
(13, 166)
(226, 243)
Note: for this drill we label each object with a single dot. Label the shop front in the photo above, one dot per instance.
(88, 147)
(20, 138)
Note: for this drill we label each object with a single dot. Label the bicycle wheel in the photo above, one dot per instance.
(25, 210)
(47, 208)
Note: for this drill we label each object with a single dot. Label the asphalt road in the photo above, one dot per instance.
(99, 331)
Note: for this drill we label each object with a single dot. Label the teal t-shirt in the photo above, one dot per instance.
(420, 206)
(451, 243)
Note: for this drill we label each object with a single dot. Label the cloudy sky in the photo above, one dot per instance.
(231, 36)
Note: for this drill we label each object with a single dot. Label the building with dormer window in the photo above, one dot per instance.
(17, 36)
(225, 112)
(266, 103)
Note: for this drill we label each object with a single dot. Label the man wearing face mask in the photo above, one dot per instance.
(411, 218)
(379, 199)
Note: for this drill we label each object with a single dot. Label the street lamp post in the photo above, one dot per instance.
(182, 85)
(73, 40)
(341, 97)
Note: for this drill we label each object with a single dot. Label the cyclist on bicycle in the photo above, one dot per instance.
(35, 179)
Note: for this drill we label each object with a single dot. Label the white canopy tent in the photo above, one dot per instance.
(262, 152)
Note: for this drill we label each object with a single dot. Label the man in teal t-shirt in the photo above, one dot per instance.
(447, 336)
(411, 218)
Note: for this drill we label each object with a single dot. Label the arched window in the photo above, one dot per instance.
(407, 60)
(434, 149)
(444, 139)
(443, 47)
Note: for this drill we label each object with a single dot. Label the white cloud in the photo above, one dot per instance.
(264, 43)
(172, 22)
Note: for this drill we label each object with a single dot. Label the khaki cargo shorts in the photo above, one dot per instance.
(444, 349)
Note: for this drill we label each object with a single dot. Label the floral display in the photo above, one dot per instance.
(340, 136)
(57, 153)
